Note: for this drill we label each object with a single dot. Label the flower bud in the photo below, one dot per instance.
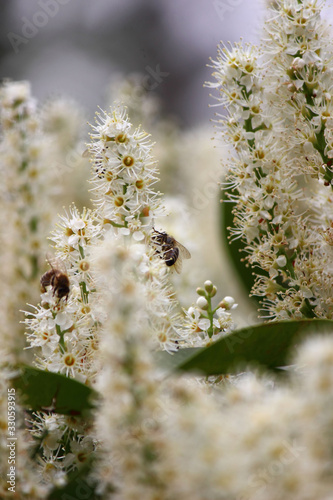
(208, 286)
(202, 303)
(200, 291)
(227, 303)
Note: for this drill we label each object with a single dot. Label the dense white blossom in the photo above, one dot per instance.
(162, 438)
(124, 172)
(30, 184)
(278, 102)
(109, 301)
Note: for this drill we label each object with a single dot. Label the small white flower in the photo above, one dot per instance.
(64, 320)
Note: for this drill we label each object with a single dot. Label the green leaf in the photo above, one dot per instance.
(170, 362)
(267, 344)
(235, 248)
(41, 390)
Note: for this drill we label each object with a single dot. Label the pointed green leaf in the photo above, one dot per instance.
(41, 389)
(266, 344)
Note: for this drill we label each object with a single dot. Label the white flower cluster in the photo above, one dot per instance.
(143, 422)
(29, 185)
(123, 173)
(64, 329)
(64, 334)
(266, 440)
(280, 174)
(63, 444)
(23, 153)
(127, 380)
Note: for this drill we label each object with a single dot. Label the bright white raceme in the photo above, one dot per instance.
(25, 187)
(277, 174)
(28, 192)
(65, 331)
(142, 419)
(124, 172)
(123, 176)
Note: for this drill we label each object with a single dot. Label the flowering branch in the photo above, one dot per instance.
(281, 231)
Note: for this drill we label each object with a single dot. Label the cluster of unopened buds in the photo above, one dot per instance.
(206, 322)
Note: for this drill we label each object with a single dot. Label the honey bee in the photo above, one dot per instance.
(170, 249)
(57, 278)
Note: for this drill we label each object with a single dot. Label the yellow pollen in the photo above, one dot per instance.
(121, 138)
(128, 161)
(84, 266)
(69, 360)
(119, 201)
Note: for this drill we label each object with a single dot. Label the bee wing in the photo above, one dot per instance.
(62, 266)
(178, 265)
(183, 252)
(51, 260)
(56, 263)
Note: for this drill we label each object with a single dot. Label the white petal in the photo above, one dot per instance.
(77, 224)
(138, 236)
(281, 260)
(73, 240)
(204, 324)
